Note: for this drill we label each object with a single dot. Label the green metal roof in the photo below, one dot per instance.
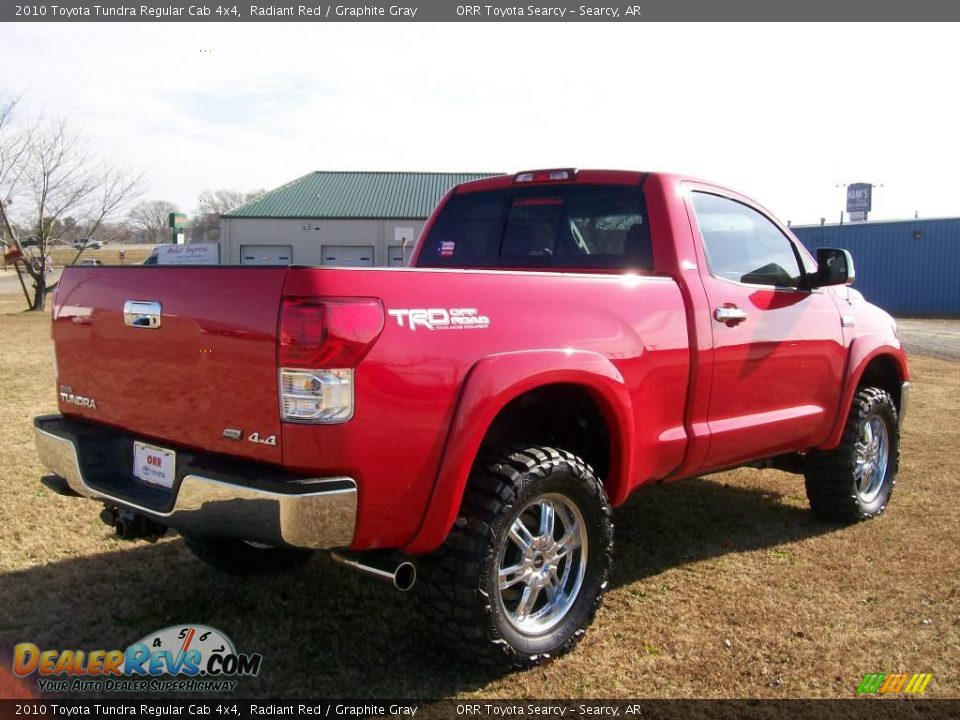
(355, 195)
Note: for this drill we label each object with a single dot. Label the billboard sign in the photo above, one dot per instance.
(859, 197)
(192, 254)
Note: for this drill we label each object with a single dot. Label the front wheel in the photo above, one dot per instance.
(522, 573)
(856, 479)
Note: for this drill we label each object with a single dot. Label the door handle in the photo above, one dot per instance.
(142, 314)
(729, 314)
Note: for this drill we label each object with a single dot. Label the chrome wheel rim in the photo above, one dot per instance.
(872, 452)
(542, 564)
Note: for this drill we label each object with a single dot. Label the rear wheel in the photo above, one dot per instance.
(856, 479)
(242, 557)
(522, 573)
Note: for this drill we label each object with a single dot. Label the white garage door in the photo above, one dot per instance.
(266, 254)
(395, 256)
(348, 255)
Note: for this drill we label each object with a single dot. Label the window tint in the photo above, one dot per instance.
(548, 226)
(743, 245)
(468, 228)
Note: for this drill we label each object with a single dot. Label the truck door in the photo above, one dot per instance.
(778, 355)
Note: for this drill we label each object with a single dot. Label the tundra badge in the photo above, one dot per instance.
(68, 396)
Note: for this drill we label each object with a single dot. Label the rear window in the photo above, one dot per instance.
(575, 226)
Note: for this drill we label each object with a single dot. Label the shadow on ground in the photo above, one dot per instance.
(325, 631)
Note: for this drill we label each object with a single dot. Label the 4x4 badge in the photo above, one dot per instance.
(255, 438)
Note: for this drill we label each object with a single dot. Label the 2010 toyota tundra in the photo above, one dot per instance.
(562, 338)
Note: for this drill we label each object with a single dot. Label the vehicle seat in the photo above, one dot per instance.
(520, 239)
(637, 247)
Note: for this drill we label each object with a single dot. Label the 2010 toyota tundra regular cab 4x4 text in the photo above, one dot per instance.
(562, 338)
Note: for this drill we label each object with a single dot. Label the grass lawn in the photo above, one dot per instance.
(108, 255)
(724, 586)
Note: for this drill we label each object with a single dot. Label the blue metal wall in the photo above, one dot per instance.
(907, 267)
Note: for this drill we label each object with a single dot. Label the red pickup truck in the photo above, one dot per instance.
(562, 338)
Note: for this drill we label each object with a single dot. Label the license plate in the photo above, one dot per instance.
(154, 465)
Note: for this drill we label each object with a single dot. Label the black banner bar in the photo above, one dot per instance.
(483, 11)
(872, 709)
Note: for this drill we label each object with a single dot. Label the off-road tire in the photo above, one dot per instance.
(830, 476)
(458, 588)
(238, 557)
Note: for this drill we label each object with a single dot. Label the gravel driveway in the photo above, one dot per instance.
(931, 337)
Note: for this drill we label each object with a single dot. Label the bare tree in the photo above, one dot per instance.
(150, 220)
(51, 177)
(13, 147)
(211, 205)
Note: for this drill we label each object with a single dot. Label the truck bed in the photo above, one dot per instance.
(211, 366)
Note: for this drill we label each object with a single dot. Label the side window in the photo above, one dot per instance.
(744, 246)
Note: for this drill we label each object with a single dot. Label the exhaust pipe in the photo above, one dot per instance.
(402, 574)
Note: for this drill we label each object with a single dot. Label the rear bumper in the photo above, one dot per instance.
(212, 495)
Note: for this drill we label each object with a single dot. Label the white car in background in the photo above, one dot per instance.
(85, 243)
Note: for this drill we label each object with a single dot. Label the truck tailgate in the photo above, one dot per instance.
(209, 367)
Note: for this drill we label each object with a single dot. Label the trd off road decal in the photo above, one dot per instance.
(440, 318)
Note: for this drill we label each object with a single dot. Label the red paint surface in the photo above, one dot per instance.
(682, 393)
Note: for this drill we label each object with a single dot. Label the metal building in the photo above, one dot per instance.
(907, 267)
(339, 219)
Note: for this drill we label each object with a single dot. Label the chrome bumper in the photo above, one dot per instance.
(904, 402)
(315, 513)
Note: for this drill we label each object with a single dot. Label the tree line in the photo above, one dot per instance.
(56, 191)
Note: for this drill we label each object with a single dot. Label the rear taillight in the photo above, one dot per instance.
(321, 343)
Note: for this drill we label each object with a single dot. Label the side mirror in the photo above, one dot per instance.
(834, 267)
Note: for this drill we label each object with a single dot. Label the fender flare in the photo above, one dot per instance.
(863, 350)
(489, 386)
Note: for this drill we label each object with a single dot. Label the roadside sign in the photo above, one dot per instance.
(859, 197)
(177, 220)
(189, 254)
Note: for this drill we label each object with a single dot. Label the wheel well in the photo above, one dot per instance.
(883, 372)
(563, 416)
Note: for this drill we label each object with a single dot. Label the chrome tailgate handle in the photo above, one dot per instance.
(142, 314)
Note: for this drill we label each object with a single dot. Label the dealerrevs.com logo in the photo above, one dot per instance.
(181, 658)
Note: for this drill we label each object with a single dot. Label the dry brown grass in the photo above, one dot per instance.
(108, 255)
(724, 586)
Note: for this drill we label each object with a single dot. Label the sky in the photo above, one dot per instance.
(782, 113)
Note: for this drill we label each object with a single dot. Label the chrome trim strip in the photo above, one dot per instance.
(318, 519)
